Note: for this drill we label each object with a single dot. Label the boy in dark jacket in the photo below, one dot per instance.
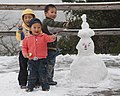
(50, 13)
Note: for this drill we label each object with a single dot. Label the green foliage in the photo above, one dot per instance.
(68, 44)
(107, 44)
(116, 49)
(96, 19)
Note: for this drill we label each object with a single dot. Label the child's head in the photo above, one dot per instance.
(50, 11)
(27, 15)
(35, 26)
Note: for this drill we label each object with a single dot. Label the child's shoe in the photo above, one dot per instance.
(45, 87)
(29, 90)
(52, 83)
(23, 87)
(37, 84)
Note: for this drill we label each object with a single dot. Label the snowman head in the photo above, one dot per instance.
(85, 47)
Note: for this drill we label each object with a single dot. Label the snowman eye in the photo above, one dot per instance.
(89, 44)
(83, 44)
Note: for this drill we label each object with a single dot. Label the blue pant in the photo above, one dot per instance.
(51, 60)
(37, 69)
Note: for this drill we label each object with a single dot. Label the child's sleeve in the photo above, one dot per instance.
(24, 47)
(18, 35)
(49, 38)
(53, 23)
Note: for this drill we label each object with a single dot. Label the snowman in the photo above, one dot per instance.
(87, 67)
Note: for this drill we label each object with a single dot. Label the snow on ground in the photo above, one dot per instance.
(9, 84)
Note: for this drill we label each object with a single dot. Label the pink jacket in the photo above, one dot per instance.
(36, 45)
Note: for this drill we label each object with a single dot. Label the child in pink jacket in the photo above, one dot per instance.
(34, 48)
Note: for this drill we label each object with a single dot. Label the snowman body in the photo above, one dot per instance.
(88, 69)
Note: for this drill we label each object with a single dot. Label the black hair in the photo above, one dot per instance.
(34, 20)
(49, 6)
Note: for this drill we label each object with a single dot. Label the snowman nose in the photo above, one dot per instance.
(85, 47)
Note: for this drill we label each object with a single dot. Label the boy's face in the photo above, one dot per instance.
(52, 13)
(27, 18)
(36, 29)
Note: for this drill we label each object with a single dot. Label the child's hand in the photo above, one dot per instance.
(66, 24)
(19, 26)
(26, 56)
(54, 36)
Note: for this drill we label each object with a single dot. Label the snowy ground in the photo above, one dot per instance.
(109, 87)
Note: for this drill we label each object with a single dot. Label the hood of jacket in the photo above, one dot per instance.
(27, 11)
